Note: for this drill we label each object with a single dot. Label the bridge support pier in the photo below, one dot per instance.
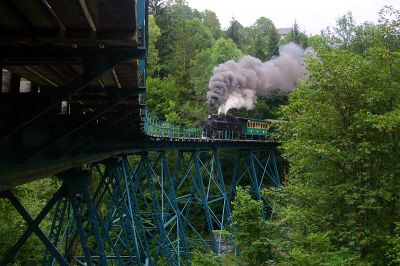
(201, 171)
(261, 168)
(102, 215)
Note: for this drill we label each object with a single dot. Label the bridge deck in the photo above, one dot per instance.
(81, 58)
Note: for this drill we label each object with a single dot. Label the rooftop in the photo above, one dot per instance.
(284, 31)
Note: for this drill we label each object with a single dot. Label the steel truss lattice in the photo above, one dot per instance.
(147, 209)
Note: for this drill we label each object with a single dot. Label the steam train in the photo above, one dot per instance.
(230, 127)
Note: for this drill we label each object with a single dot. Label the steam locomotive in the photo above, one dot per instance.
(231, 127)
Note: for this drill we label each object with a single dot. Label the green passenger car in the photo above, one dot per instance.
(257, 127)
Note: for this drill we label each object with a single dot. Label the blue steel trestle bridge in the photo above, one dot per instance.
(73, 74)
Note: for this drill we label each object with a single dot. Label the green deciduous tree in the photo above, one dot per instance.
(390, 27)
(393, 250)
(250, 232)
(199, 258)
(318, 42)
(264, 39)
(359, 38)
(189, 37)
(344, 30)
(342, 141)
(153, 60)
(163, 98)
(169, 23)
(211, 21)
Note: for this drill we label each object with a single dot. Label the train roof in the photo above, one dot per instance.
(249, 119)
(261, 120)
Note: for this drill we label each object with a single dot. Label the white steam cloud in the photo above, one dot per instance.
(237, 84)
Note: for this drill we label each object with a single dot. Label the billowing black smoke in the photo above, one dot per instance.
(237, 84)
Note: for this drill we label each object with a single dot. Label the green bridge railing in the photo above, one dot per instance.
(161, 129)
(158, 128)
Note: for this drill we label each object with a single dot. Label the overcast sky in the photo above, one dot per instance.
(311, 15)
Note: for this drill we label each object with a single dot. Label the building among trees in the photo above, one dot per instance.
(284, 31)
